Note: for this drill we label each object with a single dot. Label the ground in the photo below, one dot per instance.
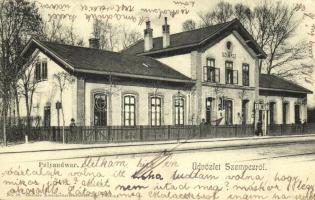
(234, 167)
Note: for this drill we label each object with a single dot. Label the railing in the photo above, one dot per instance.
(117, 134)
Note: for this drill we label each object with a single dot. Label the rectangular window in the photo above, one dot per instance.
(129, 110)
(37, 71)
(44, 70)
(156, 111)
(41, 70)
(245, 74)
(179, 111)
(231, 76)
(210, 73)
(228, 72)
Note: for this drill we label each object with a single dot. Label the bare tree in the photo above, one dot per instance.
(272, 25)
(27, 85)
(223, 12)
(18, 19)
(56, 31)
(63, 80)
(129, 37)
(189, 25)
(107, 34)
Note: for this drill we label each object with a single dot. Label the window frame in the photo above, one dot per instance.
(155, 113)
(105, 111)
(245, 74)
(41, 70)
(179, 111)
(229, 72)
(129, 112)
(210, 72)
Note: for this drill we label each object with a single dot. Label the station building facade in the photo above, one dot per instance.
(206, 75)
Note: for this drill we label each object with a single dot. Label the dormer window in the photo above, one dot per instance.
(41, 70)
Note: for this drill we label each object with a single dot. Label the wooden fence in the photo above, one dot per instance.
(116, 134)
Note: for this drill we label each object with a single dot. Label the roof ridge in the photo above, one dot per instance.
(101, 50)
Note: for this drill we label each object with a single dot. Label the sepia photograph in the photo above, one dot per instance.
(169, 99)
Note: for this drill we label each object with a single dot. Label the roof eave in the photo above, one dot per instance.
(285, 90)
(133, 76)
(46, 49)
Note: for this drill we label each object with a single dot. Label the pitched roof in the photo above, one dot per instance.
(81, 59)
(195, 38)
(272, 82)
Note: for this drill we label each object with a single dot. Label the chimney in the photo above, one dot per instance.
(166, 34)
(94, 43)
(148, 37)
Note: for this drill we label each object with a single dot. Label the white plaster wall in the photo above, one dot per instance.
(47, 93)
(180, 63)
(292, 101)
(242, 56)
(142, 106)
(232, 94)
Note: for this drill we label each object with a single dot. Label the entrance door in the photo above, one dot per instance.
(284, 113)
(100, 109)
(208, 110)
(297, 114)
(244, 111)
(228, 112)
(47, 116)
(272, 113)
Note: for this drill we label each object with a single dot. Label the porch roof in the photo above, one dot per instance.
(276, 83)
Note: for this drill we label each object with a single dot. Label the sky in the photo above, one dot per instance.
(80, 11)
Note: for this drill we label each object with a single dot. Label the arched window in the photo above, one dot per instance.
(100, 109)
(129, 113)
(156, 111)
(179, 110)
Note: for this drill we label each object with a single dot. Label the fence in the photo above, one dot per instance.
(116, 134)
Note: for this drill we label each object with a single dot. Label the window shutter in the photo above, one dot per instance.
(235, 77)
(204, 73)
(217, 75)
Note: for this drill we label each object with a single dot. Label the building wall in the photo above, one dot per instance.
(47, 94)
(235, 92)
(180, 63)
(142, 93)
(278, 112)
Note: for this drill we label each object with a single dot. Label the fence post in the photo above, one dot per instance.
(168, 132)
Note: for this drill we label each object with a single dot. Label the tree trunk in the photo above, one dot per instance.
(4, 113)
(63, 118)
(28, 117)
(17, 101)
